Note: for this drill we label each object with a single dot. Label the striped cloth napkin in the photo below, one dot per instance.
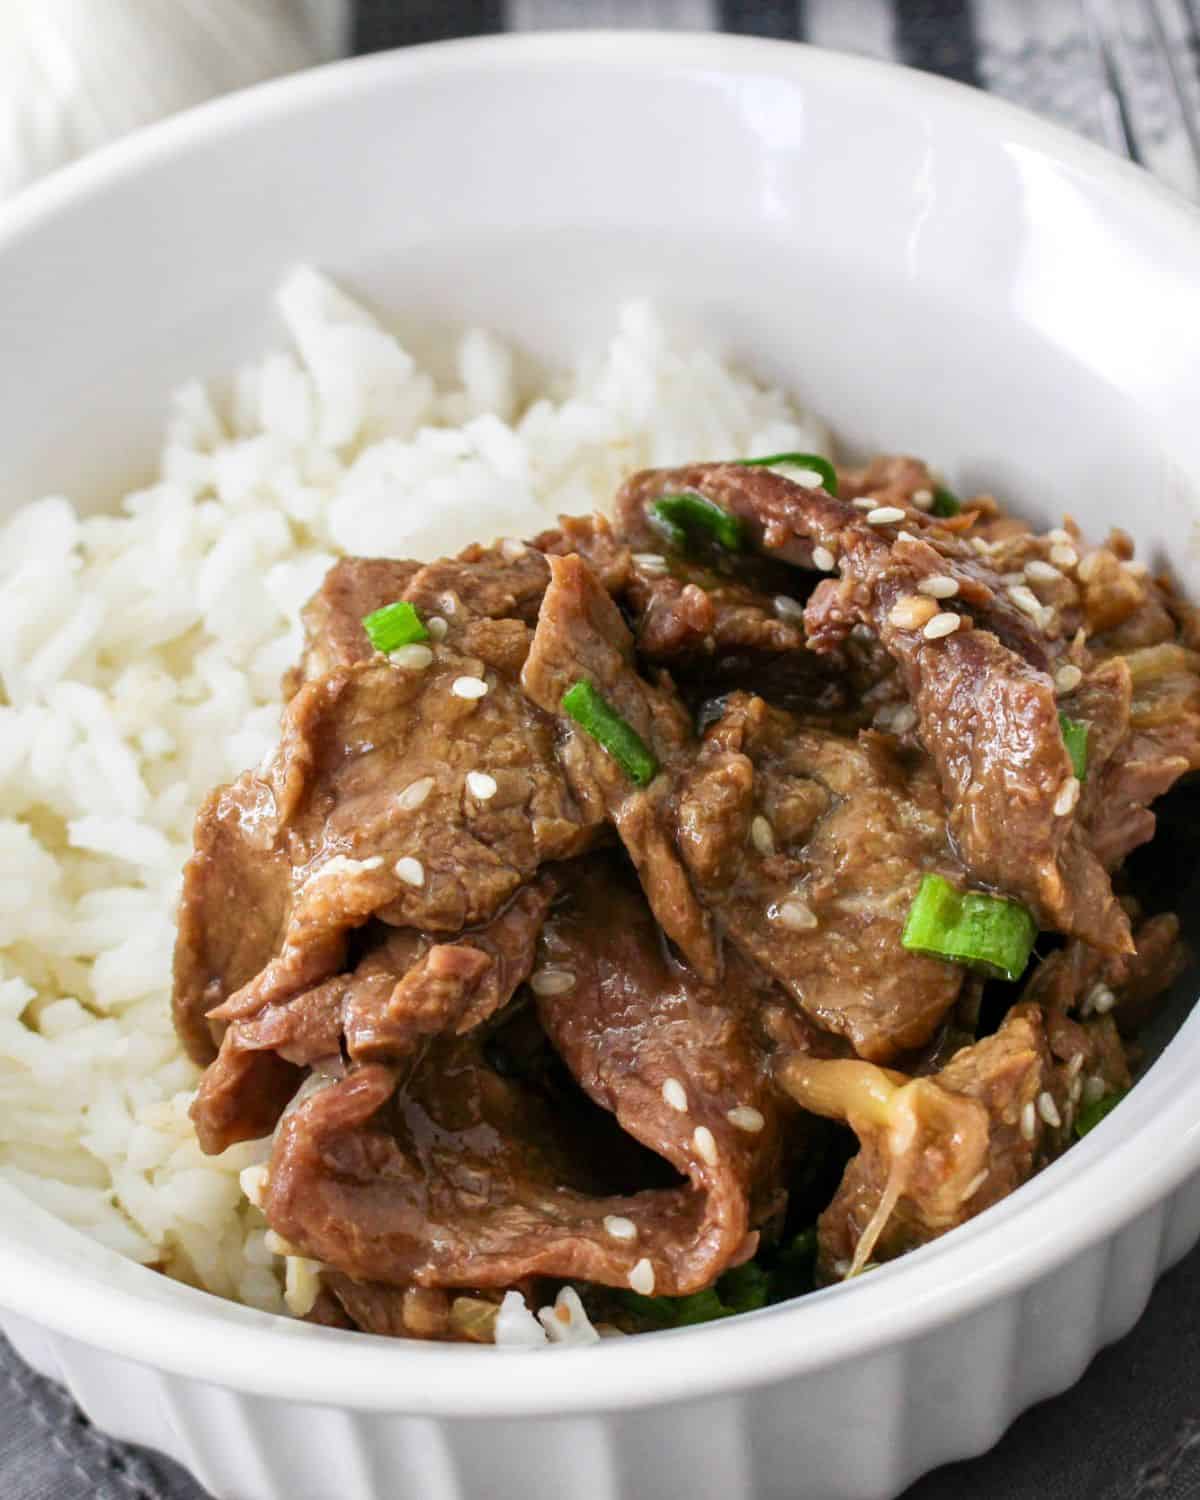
(1126, 73)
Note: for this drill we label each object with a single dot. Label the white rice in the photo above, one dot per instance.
(140, 658)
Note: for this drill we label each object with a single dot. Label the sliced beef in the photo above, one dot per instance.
(333, 630)
(233, 910)
(486, 597)
(810, 847)
(371, 809)
(405, 990)
(581, 635)
(466, 1178)
(984, 699)
(934, 1151)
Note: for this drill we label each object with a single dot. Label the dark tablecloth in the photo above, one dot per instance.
(1125, 74)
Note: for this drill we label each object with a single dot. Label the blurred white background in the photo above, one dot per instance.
(75, 74)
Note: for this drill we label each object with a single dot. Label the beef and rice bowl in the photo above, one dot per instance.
(657, 917)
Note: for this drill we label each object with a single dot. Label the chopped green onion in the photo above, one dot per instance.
(989, 933)
(1094, 1111)
(945, 502)
(1075, 738)
(813, 461)
(678, 516)
(393, 626)
(610, 731)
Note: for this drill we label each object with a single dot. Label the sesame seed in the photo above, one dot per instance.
(1058, 535)
(1067, 678)
(981, 546)
(762, 835)
(1025, 600)
(1099, 999)
(413, 658)
(1063, 556)
(975, 1184)
(1013, 578)
(944, 624)
(641, 1278)
(552, 982)
(415, 793)
(1041, 572)
(897, 718)
(809, 478)
(512, 548)
(1075, 1088)
(906, 536)
(939, 586)
(1028, 1121)
(884, 515)
(410, 870)
(1090, 566)
(1068, 796)
(619, 1227)
(481, 785)
(675, 1095)
(1075, 1064)
(448, 604)
(795, 915)
(922, 499)
(864, 502)
(705, 1143)
(1094, 1089)
(650, 562)
(788, 609)
(437, 627)
(912, 612)
(746, 1117)
(824, 559)
(468, 687)
(1048, 1109)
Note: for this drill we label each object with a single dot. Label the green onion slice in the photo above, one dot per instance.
(988, 933)
(945, 502)
(1091, 1113)
(1075, 738)
(611, 732)
(678, 517)
(813, 461)
(393, 626)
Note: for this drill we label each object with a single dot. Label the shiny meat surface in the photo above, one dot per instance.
(508, 1017)
(459, 1177)
(984, 698)
(580, 636)
(811, 848)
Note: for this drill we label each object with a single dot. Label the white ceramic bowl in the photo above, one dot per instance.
(934, 271)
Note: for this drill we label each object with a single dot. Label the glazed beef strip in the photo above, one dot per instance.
(984, 698)
(462, 1177)
(580, 635)
(406, 990)
(368, 811)
(810, 847)
(486, 598)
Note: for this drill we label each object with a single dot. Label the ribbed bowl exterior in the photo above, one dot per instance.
(859, 1430)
